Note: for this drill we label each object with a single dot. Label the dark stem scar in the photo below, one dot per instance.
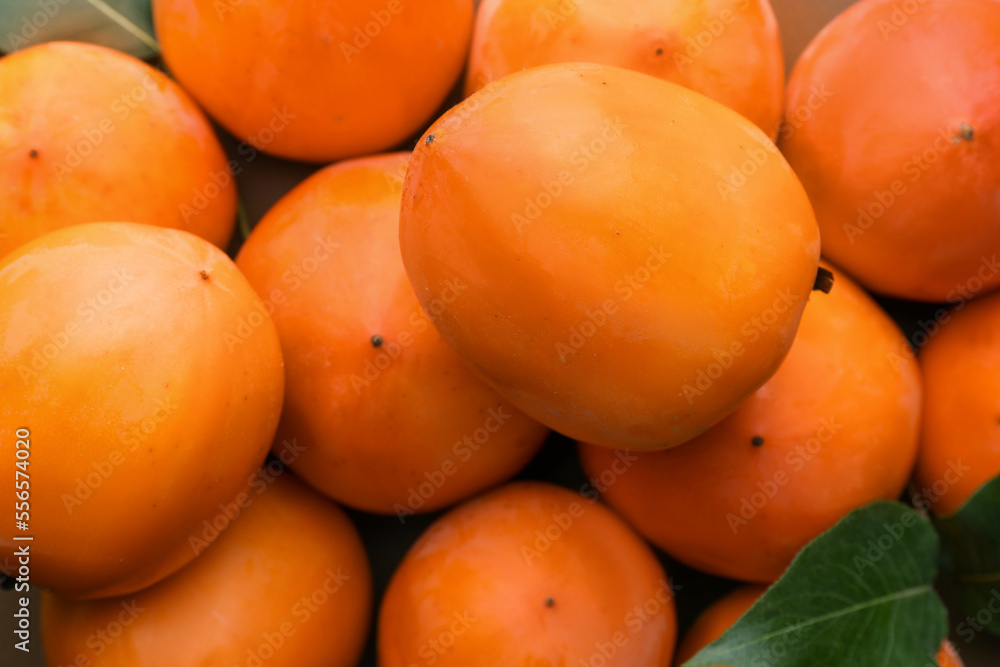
(823, 281)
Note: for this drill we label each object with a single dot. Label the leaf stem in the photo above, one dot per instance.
(125, 23)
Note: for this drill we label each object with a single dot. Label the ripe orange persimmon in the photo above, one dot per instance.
(390, 418)
(834, 429)
(90, 134)
(723, 613)
(960, 442)
(892, 117)
(528, 574)
(316, 81)
(286, 585)
(633, 256)
(139, 409)
(729, 50)
(715, 620)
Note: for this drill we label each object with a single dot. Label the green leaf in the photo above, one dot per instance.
(126, 25)
(970, 541)
(859, 595)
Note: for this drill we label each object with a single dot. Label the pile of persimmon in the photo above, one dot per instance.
(618, 222)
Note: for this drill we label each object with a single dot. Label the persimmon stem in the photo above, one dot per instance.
(824, 280)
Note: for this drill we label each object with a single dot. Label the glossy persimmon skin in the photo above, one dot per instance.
(892, 119)
(302, 83)
(90, 134)
(960, 446)
(729, 50)
(287, 582)
(144, 412)
(723, 613)
(599, 278)
(480, 587)
(834, 429)
(389, 417)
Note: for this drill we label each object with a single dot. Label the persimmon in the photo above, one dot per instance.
(90, 134)
(891, 113)
(139, 409)
(287, 584)
(716, 619)
(960, 443)
(316, 81)
(528, 574)
(633, 256)
(389, 418)
(729, 50)
(834, 429)
(948, 656)
(725, 611)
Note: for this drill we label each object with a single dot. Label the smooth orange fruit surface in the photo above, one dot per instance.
(715, 620)
(960, 442)
(723, 613)
(948, 656)
(891, 125)
(729, 50)
(633, 258)
(388, 417)
(90, 134)
(834, 429)
(529, 574)
(139, 418)
(316, 81)
(287, 584)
